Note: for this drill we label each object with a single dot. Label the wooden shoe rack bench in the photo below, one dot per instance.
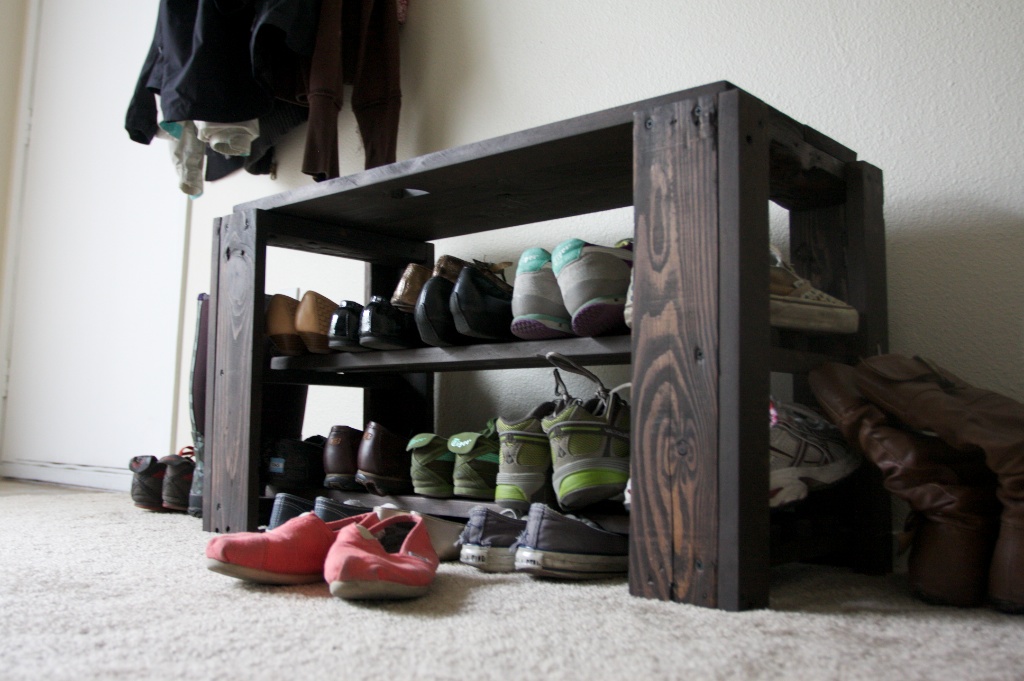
(700, 168)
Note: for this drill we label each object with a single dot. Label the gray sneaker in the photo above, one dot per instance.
(807, 453)
(524, 472)
(796, 304)
(589, 443)
(567, 547)
(488, 538)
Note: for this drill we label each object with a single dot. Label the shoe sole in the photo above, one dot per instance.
(345, 345)
(592, 483)
(474, 492)
(342, 482)
(383, 486)
(789, 485)
(569, 565)
(808, 315)
(375, 590)
(315, 342)
(261, 576)
(442, 492)
(600, 317)
(288, 344)
(539, 327)
(488, 558)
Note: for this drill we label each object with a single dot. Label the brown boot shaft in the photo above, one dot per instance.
(926, 396)
(952, 494)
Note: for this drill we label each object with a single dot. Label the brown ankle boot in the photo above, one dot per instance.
(970, 420)
(956, 513)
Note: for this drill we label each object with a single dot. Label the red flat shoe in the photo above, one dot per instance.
(388, 559)
(293, 553)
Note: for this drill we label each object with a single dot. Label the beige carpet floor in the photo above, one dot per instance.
(93, 588)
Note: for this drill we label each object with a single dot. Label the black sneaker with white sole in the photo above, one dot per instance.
(567, 547)
(487, 540)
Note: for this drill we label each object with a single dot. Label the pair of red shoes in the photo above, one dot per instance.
(361, 557)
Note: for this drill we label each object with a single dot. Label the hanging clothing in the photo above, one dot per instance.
(357, 44)
(265, 66)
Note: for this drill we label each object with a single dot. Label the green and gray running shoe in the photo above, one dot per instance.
(524, 472)
(476, 462)
(432, 466)
(589, 444)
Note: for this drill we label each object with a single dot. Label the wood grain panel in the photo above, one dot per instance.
(674, 528)
(235, 421)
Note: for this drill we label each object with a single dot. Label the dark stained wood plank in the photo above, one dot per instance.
(674, 518)
(237, 398)
(867, 288)
(211, 466)
(285, 231)
(743, 354)
(517, 355)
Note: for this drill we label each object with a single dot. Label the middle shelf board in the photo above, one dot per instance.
(514, 355)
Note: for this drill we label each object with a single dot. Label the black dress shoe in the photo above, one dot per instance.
(433, 315)
(343, 333)
(382, 326)
(481, 304)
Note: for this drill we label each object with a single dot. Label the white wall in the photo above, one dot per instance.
(12, 32)
(94, 267)
(928, 90)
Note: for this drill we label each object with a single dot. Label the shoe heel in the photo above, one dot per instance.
(315, 342)
(289, 345)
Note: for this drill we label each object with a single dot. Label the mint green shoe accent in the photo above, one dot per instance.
(565, 253)
(432, 467)
(532, 260)
(172, 128)
(476, 462)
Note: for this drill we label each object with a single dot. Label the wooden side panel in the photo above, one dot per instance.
(674, 519)
(744, 352)
(233, 417)
(209, 472)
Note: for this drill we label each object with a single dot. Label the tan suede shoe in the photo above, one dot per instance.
(409, 286)
(281, 325)
(312, 321)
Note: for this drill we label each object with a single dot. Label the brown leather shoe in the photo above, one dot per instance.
(313, 321)
(281, 325)
(926, 396)
(956, 513)
(384, 465)
(448, 266)
(341, 452)
(409, 286)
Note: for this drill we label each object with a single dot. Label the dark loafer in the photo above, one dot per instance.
(481, 304)
(343, 333)
(384, 327)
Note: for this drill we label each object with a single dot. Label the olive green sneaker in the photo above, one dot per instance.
(524, 472)
(476, 462)
(432, 466)
(589, 444)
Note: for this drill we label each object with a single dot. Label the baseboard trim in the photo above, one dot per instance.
(80, 475)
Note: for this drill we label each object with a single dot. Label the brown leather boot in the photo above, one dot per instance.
(956, 513)
(927, 397)
(340, 458)
(384, 464)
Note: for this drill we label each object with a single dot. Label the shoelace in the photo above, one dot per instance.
(603, 400)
